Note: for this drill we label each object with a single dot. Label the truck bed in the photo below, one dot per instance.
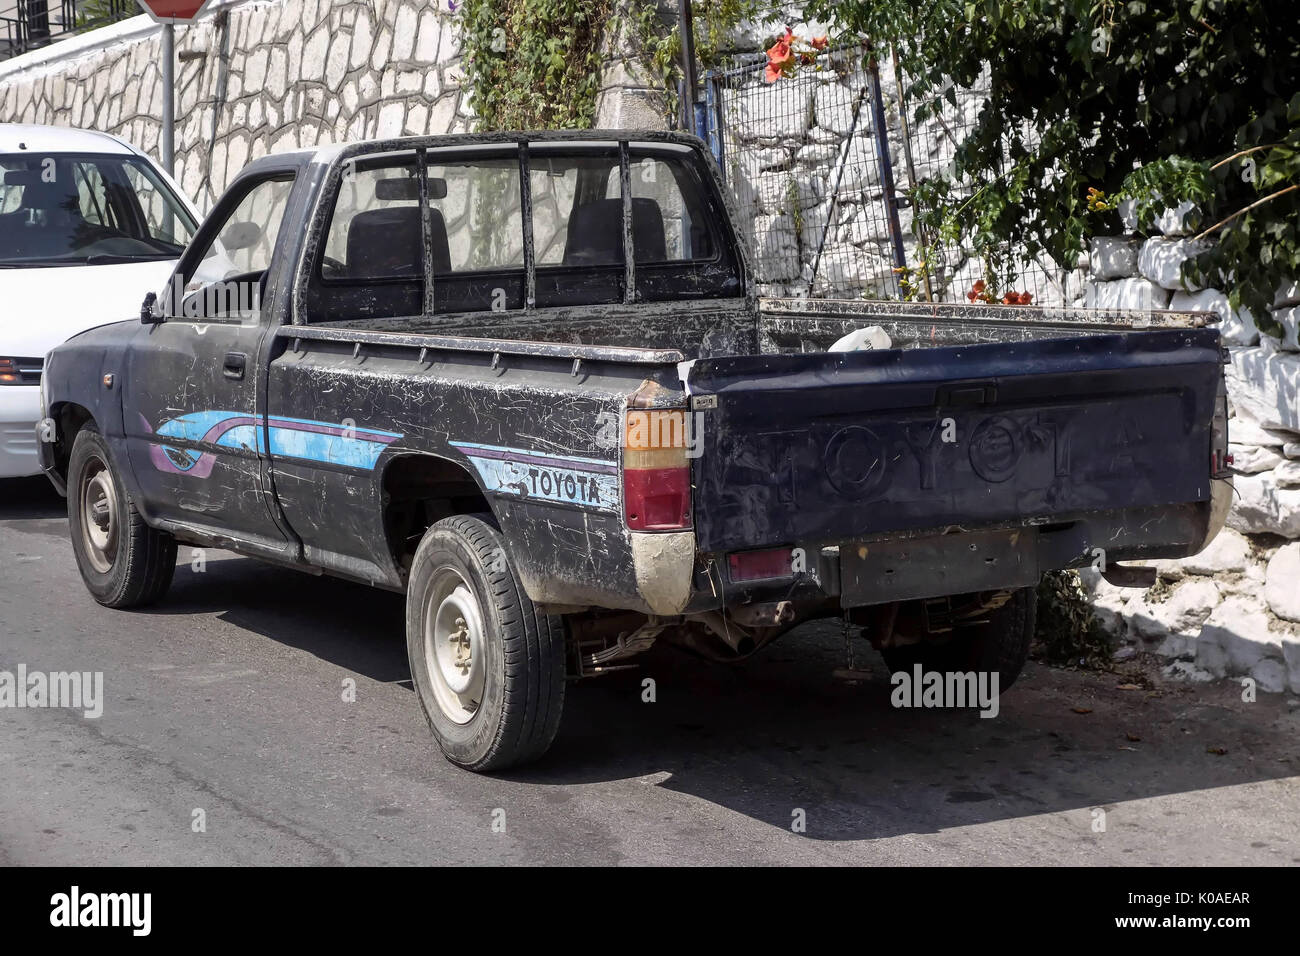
(701, 330)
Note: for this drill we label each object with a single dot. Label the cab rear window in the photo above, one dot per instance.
(507, 222)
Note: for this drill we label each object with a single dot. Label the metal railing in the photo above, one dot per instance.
(821, 164)
(27, 25)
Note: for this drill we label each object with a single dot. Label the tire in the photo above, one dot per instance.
(487, 667)
(124, 562)
(1001, 644)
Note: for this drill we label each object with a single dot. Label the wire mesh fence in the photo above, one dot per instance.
(821, 163)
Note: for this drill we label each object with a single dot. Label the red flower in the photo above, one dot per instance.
(820, 43)
(779, 58)
(1026, 298)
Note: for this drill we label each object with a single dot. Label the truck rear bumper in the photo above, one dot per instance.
(943, 562)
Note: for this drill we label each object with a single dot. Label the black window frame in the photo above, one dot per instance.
(635, 282)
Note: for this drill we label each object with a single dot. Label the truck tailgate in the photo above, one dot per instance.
(832, 447)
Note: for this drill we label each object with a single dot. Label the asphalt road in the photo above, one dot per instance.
(228, 698)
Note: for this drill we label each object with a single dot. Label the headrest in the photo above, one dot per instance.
(51, 196)
(388, 242)
(596, 233)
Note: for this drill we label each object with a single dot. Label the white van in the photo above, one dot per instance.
(88, 227)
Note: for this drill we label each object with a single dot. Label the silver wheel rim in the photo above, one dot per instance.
(99, 516)
(454, 646)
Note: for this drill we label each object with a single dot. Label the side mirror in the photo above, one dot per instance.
(241, 235)
(147, 314)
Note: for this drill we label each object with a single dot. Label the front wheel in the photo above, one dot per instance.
(999, 643)
(487, 666)
(123, 561)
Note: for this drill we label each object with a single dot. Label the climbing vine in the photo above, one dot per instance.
(536, 64)
(533, 64)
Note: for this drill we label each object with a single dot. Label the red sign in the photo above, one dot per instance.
(174, 11)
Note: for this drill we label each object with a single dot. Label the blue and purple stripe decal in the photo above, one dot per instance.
(325, 442)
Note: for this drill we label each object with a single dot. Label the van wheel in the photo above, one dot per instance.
(1000, 644)
(124, 562)
(488, 668)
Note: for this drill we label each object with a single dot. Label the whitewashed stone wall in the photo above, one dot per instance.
(253, 78)
(802, 158)
(1235, 609)
(1231, 611)
(787, 145)
(1129, 272)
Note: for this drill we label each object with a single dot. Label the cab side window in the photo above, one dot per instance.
(228, 281)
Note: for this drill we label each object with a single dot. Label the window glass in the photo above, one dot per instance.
(161, 217)
(376, 232)
(247, 236)
(82, 209)
(481, 210)
(577, 210)
(672, 199)
(92, 197)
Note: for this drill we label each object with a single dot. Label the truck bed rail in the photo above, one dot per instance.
(788, 324)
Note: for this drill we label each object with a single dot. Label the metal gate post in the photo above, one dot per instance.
(886, 166)
(713, 120)
(911, 177)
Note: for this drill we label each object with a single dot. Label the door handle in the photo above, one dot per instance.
(234, 365)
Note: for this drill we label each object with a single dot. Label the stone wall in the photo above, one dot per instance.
(252, 78)
(630, 97)
(803, 157)
(1234, 609)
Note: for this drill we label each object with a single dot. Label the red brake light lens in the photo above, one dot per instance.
(656, 470)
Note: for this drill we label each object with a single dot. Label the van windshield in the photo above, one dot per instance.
(86, 209)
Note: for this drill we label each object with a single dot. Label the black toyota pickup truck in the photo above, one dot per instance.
(525, 379)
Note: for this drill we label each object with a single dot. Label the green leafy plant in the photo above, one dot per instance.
(912, 278)
(533, 64)
(1155, 101)
(1067, 632)
(98, 13)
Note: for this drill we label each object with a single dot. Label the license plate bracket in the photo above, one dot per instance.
(905, 570)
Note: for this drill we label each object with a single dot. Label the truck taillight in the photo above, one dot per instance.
(656, 470)
(769, 565)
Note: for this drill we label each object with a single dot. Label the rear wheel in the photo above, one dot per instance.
(123, 561)
(488, 668)
(1000, 643)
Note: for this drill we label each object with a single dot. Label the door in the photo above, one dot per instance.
(192, 419)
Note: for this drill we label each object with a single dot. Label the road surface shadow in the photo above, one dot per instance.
(356, 627)
(778, 735)
(27, 498)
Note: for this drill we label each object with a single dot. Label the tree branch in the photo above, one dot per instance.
(1259, 202)
(1244, 152)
